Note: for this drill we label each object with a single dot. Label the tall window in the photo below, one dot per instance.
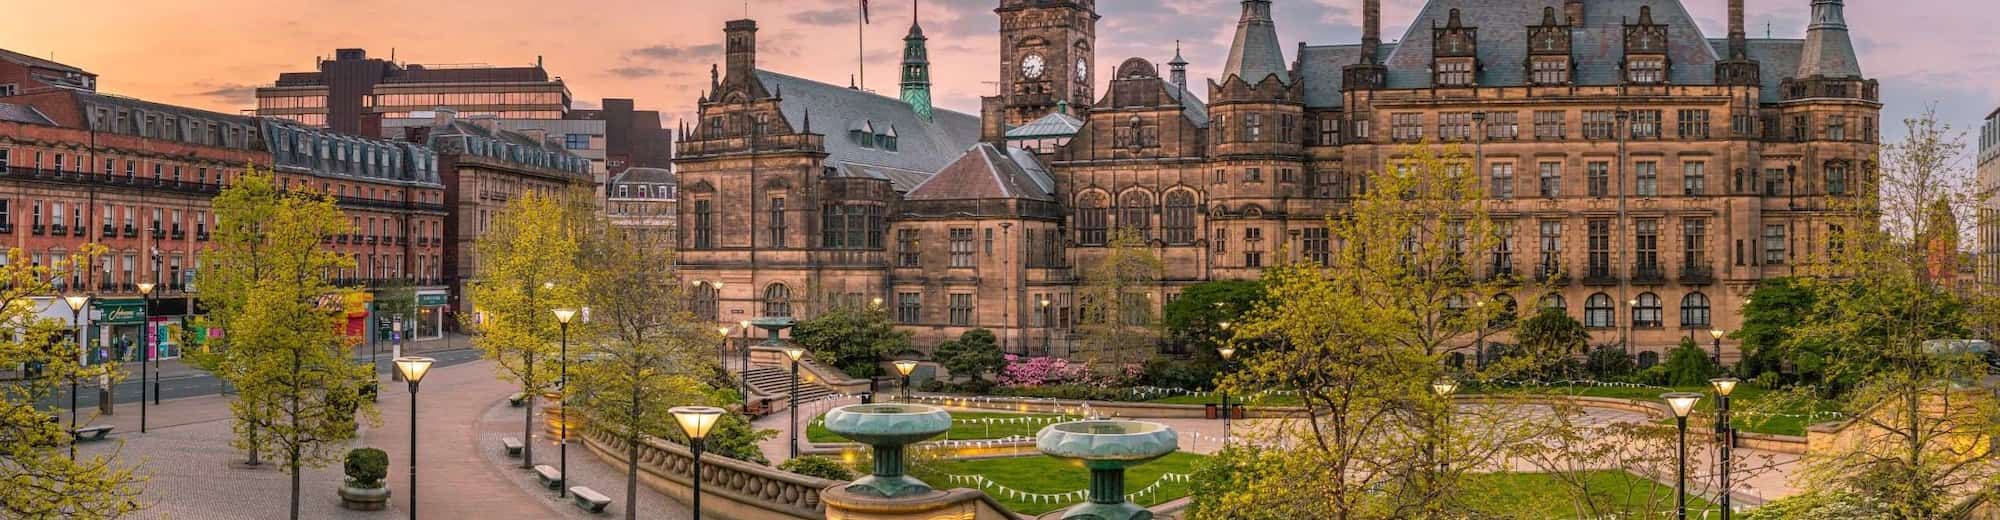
(1551, 180)
(1329, 131)
(777, 222)
(1253, 127)
(907, 254)
(1646, 242)
(1550, 124)
(1454, 126)
(1694, 310)
(1774, 182)
(1179, 222)
(1599, 124)
(1503, 125)
(1836, 178)
(851, 226)
(961, 247)
(704, 225)
(1774, 244)
(1252, 241)
(1091, 219)
(1598, 312)
(1503, 180)
(1599, 175)
(1600, 248)
(707, 304)
(961, 309)
(1407, 126)
(1645, 124)
(1318, 245)
(1694, 179)
(1648, 175)
(1694, 247)
(1647, 314)
(909, 307)
(1503, 247)
(1693, 124)
(1551, 70)
(1646, 70)
(1552, 247)
(1454, 73)
(1135, 213)
(777, 301)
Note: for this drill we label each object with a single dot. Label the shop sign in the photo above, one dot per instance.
(430, 300)
(120, 311)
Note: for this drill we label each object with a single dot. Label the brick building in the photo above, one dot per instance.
(641, 201)
(352, 93)
(24, 74)
(1652, 175)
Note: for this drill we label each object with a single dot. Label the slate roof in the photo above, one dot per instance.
(1777, 59)
(1054, 124)
(921, 146)
(1597, 46)
(1193, 107)
(24, 114)
(643, 175)
(1255, 53)
(1321, 65)
(32, 61)
(1828, 50)
(988, 172)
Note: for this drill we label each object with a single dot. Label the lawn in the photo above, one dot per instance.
(1541, 495)
(1791, 420)
(1049, 476)
(964, 426)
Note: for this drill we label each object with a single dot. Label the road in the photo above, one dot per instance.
(127, 392)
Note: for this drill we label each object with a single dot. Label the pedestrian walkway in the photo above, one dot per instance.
(194, 473)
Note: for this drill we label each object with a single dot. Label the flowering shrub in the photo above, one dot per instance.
(1038, 371)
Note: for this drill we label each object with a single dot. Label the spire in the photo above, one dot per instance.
(1255, 53)
(1828, 51)
(1179, 66)
(917, 69)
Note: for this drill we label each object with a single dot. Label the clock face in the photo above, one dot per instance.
(1082, 70)
(1031, 67)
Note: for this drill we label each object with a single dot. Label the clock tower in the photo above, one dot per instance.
(1047, 55)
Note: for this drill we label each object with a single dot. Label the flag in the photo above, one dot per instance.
(864, 11)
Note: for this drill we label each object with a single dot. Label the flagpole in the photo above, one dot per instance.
(861, 46)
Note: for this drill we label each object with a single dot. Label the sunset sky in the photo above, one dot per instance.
(212, 53)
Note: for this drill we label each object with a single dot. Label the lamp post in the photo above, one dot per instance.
(1631, 322)
(1444, 388)
(1723, 386)
(696, 421)
(413, 369)
(145, 350)
(1045, 326)
(563, 316)
(905, 367)
(1682, 403)
(743, 369)
(1479, 348)
(76, 303)
(795, 352)
(1227, 353)
(1718, 334)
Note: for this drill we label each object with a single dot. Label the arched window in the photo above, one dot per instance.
(1091, 219)
(1554, 301)
(1647, 313)
(1694, 310)
(706, 301)
(777, 301)
(1179, 222)
(1135, 212)
(1648, 358)
(1598, 312)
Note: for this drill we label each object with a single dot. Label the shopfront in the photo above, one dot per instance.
(430, 315)
(356, 305)
(120, 328)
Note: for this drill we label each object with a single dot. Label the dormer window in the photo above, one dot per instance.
(1551, 70)
(1454, 73)
(1646, 70)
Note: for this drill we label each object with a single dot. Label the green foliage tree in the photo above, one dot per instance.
(1118, 322)
(974, 354)
(298, 389)
(1690, 366)
(1195, 319)
(1774, 309)
(527, 262)
(40, 479)
(851, 339)
(1552, 334)
(1609, 362)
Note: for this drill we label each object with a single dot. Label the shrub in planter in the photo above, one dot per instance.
(363, 491)
(817, 466)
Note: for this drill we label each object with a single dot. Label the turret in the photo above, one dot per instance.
(917, 72)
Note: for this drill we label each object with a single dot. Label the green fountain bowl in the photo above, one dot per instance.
(888, 424)
(769, 323)
(1108, 444)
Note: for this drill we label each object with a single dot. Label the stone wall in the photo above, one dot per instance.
(731, 489)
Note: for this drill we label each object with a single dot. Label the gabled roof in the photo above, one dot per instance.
(1597, 47)
(32, 61)
(642, 175)
(1056, 124)
(988, 172)
(24, 114)
(921, 146)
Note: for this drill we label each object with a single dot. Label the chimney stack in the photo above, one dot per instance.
(1574, 9)
(1738, 39)
(1371, 23)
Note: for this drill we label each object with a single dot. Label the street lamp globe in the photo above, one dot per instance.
(793, 351)
(724, 331)
(1226, 352)
(564, 315)
(77, 301)
(905, 367)
(146, 288)
(1681, 402)
(1717, 333)
(1444, 387)
(414, 368)
(696, 421)
(1723, 385)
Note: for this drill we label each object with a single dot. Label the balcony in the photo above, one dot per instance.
(1599, 276)
(179, 234)
(159, 234)
(1697, 275)
(372, 239)
(340, 239)
(201, 235)
(6, 227)
(1551, 273)
(58, 229)
(1649, 274)
(131, 232)
(37, 229)
(110, 230)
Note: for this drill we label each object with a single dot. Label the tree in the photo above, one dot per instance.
(1552, 334)
(1361, 337)
(852, 340)
(1878, 305)
(1118, 322)
(1774, 309)
(1689, 366)
(1196, 317)
(41, 480)
(527, 268)
(298, 389)
(974, 354)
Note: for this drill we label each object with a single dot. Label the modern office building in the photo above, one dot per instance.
(352, 93)
(1988, 264)
(1648, 173)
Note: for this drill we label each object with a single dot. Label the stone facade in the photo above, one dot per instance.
(1988, 263)
(1654, 174)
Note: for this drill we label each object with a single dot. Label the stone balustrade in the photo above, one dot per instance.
(730, 490)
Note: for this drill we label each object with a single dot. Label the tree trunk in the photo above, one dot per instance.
(293, 463)
(632, 475)
(292, 444)
(254, 461)
(528, 418)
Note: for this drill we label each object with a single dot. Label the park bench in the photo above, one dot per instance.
(513, 446)
(549, 476)
(518, 399)
(760, 408)
(589, 499)
(91, 433)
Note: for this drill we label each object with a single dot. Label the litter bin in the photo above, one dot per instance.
(1209, 409)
